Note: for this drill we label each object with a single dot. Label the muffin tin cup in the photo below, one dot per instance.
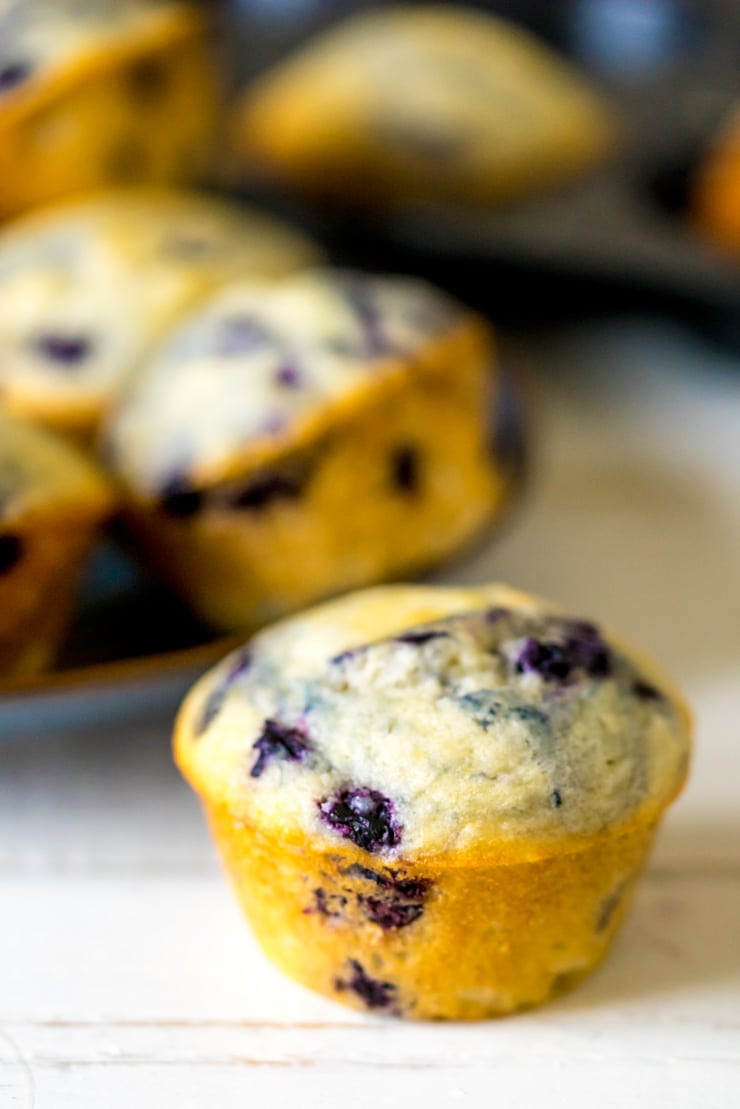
(446, 939)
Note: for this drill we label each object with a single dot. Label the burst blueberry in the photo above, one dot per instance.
(547, 659)
(281, 742)
(364, 816)
(375, 993)
(264, 490)
(391, 914)
(69, 351)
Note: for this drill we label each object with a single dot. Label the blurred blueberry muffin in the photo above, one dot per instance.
(295, 440)
(716, 200)
(88, 286)
(52, 503)
(434, 802)
(423, 103)
(96, 92)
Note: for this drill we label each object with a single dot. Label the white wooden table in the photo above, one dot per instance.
(126, 975)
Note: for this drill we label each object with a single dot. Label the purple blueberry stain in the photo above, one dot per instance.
(411, 888)
(375, 993)
(241, 335)
(11, 552)
(288, 377)
(391, 914)
(69, 351)
(330, 905)
(364, 816)
(281, 742)
(404, 466)
(13, 74)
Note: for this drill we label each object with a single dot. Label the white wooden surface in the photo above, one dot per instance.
(126, 975)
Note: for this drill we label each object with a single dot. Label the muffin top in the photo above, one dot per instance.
(41, 39)
(254, 371)
(414, 721)
(421, 102)
(86, 287)
(40, 474)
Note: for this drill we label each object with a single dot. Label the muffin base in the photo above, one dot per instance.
(37, 595)
(432, 941)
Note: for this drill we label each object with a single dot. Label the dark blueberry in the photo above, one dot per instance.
(147, 80)
(375, 994)
(556, 799)
(263, 490)
(67, 350)
(179, 499)
(549, 660)
(391, 914)
(215, 702)
(405, 469)
(240, 335)
(13, 74)
(330, 905)
(646, 692)
(587, 649)
(413, 888)
(289, 377)
(362, 815)
(11, 552)
(277, 741)
(418, 639)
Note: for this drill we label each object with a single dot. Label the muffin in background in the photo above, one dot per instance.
(293, 441)
(716, 199)
(421, 104)
(101, 92)
(434, 803)
(52, 504)
(88, 287)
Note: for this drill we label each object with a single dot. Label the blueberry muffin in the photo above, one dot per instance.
(716, 199)
(434, 802)
(296, 440)
(87, 287)
(52, 502)
(423, 103)
(96, 92)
